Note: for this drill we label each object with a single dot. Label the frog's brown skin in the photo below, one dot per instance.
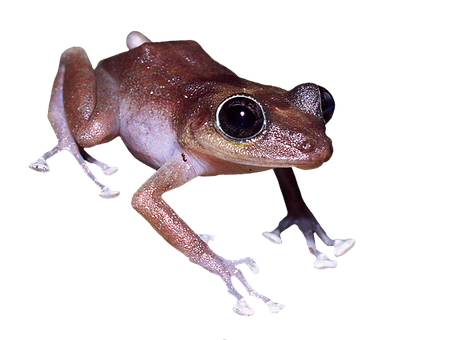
(162, 100)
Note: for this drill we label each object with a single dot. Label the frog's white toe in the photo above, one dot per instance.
(39, 165)
(136, 38)
(322, 262)
(242, 308)
(207, 238)
(107, 170)
(110, 170)
(250, 262)
(343, 246)
(272, 236)
(107, 193)
(274, 307)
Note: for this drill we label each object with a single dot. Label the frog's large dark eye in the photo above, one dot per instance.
(327, 104)
(240, 117)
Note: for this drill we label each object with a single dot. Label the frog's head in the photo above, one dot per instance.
(267, 127)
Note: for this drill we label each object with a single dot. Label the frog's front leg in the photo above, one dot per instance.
(149, 203)
(300, 214)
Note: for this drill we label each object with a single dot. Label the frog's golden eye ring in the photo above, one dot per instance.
(240, 117)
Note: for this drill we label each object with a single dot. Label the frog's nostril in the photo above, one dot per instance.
(308, 146)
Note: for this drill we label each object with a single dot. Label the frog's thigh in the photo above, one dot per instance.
(90, 100)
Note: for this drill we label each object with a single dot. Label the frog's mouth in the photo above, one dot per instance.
(275, 148)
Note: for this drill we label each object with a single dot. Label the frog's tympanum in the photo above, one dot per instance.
(182, 113)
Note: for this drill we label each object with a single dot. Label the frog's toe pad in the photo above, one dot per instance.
(274, 307)
(343, 246)
(242, 308)
(322, 262)
(107, 193)
(272, 237)
(135, 39)
(39, 165)
(251, 263)
(110, 170)
(207, 238)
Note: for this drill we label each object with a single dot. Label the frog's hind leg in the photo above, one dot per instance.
(66, 141)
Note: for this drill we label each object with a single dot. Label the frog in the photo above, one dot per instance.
(185, 115)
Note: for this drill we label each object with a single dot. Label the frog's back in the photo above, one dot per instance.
(175, 62)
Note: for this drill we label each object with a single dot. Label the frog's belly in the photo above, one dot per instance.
(149, 137)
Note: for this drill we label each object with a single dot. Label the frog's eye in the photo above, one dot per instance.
(240, 117)
(327, 104)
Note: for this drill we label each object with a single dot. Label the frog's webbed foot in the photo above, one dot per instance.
(227, 269)
(309, 226)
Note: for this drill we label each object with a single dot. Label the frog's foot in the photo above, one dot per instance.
(309, 226)
(242, 307)
(39, 165)
(341, 247)
(273, 236)
(107, 193)
(227, 269)
(107, 170)
(324, 262)
(250, 263)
